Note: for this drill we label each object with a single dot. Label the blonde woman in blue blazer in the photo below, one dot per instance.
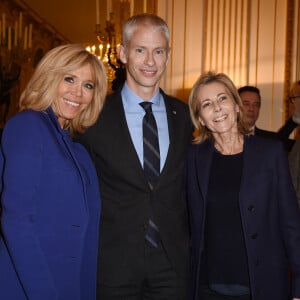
(244, 218)
(49, 196)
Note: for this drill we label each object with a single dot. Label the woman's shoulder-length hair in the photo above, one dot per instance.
(42, 88)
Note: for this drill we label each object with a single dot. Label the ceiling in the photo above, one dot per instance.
(74, 19)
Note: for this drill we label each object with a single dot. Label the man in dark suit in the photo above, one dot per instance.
(294, 120)
(130, 266)
(251, 99)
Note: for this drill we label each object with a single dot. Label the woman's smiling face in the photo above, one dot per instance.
(75, 92)
(218, 110)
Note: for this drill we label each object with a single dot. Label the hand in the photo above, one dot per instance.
(296, 299)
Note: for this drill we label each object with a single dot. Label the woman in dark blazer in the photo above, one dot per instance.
(50, 198)
(244, 219)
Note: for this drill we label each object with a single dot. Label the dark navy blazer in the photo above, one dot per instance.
(50, 212)
(269, 212)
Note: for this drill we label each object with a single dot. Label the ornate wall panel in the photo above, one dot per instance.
(24, 38)
(226, 38)
(247, 39)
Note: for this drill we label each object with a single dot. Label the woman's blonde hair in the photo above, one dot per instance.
(194, 103)
(41, 90)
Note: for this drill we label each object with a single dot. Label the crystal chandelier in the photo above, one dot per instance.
(108, 40)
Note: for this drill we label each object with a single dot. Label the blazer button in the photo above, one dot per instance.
(254, 236)
(251, 208)
(257, 263)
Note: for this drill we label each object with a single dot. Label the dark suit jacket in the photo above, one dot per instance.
(285, 131)
(51, 212)
(269, 212)
(265, 133)
(126, 196)
(287, 128)
(282, 134)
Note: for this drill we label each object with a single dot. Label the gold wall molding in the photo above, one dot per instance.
(250, 40)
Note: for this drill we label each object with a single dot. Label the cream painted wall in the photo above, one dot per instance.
(247, 39)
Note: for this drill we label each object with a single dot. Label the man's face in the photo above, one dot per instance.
(146, 57)
(251, 103)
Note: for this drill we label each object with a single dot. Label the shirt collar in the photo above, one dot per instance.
(131, 100)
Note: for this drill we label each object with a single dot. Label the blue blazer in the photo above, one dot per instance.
(50, 212)
(269, 212)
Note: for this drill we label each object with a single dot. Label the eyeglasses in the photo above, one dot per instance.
(294, 98)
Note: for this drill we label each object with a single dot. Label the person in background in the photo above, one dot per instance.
(49, 194)
(244, 218)
(144, 245)
(251, 99)
(294, 162)
(294, 120)
(294, 156)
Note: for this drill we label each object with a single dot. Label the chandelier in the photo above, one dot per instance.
(114, 12)
(108, 40)
(106, 44)
(106, 51)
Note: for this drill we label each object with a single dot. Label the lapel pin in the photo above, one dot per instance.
(174, 112)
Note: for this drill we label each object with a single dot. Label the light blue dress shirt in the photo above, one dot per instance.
(134, 116)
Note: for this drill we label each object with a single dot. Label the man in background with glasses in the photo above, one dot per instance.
(294, 156)
(294, 120)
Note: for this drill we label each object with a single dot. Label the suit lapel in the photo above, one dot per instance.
(64, 136)
(172, 123)
(249, 171)
(124, 142)
(203, 160)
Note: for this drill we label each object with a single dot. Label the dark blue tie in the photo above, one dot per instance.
(151, 164)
